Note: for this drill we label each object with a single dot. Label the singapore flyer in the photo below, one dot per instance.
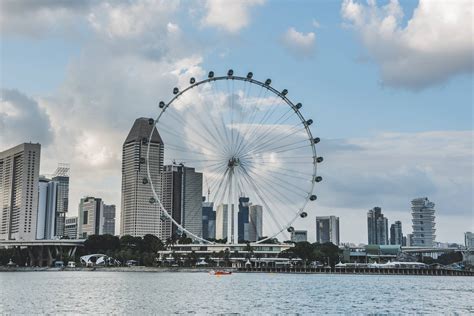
(249, 150)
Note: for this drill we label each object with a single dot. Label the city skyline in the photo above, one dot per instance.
(411, 135)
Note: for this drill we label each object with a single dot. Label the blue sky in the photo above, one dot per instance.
(361, 71)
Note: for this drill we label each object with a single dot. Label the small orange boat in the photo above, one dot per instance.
(220, 272)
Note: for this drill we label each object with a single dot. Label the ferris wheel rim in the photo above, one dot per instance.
(194, 84)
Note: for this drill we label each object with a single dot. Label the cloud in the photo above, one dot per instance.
(435, 44)
(22, 120)
(230, 16)
(298, 44)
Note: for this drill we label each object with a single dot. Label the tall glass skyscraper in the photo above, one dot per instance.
(140, 217)
(377, 227)
(396, 234)
(243, 219)
(422, 211)
(61, 177)
(327, 229)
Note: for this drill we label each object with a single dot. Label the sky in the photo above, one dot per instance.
(389, 85)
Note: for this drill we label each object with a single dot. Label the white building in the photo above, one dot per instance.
(46, 216)
(423, 222)
(19, 175)
(299, 235)
(140, 212)
(469, 240)
(223, 229)
(70, 229)
(327, 229)
(255, 227)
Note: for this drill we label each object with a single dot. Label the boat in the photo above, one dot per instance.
(220, 272)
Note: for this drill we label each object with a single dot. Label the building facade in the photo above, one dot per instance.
(70, 228)
(377, 227)
(90, 217)
(19, 176)
(208, 220)
(423, 220)
(47, 206)
(109, 220)
(255, 230)
(182, 198)
(469, 240)
(140, 214)
(327, 229)
(61, 176)
(222, 221)
(243, 219)
(396, 234)
(299, 235)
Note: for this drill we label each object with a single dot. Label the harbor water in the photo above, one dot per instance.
(139, 293)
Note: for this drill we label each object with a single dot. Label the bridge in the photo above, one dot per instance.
(44, 252)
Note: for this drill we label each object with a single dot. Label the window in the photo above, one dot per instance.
(422, 235)
(84, 220)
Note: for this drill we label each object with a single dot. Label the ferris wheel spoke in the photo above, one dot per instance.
(279, 148)
(278, 140)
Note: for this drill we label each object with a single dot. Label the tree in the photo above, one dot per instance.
(151, 243)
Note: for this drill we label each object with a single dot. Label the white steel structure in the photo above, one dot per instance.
(423, 222)
(249, 140)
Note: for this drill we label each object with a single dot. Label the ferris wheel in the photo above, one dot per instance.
(252, 145)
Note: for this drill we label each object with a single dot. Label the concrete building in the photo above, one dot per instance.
(299, 235)
(469, 240)
(423, 220)
(243, 219)
(19, 176)
(377, 226)
(208, 220)
(61, 176)
(327, 229)
(140, 217)
(90, 217)
(182, 198)
(70, 228)
(255, 222)
(396, 234)
(223, 228)
(109, 220)
(47, 206)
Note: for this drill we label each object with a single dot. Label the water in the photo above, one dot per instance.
(141, 293)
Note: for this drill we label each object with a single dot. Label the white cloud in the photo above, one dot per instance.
(316, 24)
(299, 44)
(435, 45)
(231, 16)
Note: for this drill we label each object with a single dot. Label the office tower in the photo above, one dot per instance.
(396, 235)
(255, 225)
(61, 176)
(327, 229)
(140, 217)
(243, 219)
(222, 218)
(423, 222)
(409, 240)
(377, 226)
(208, 220)
(91, 219)
(108, 226)
(47, 206)
(299, 235)
(469, 240)
(19, 175)
(182, 197)
(70, 228)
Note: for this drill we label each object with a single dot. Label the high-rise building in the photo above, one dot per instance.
(224, 229)
(396, 234)
(377, 226)
(19, 175)
(327, 229)
(255, 230)
(182, 197)
(208, 220)
(61, 176)
(423, 220)
(243, 219)
(47, 205)
(140, 214)
(299, 235)
(469, 240)
(108, 226)
(91, 220)
(70, 228)
(409, 240)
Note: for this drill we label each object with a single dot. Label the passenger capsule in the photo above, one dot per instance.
(162, 104)
(284, 92)
(313, 197)
(319, 159)
(316, 140)
(268, 82)
(303, 214)
(318, 179)
(175, 90)
(145, 180)
(309, 122)
(230, 73)
(298, 105)
(152, 200)
(211, 74)
(290, 229)
(192, 80)
(151, 121)
(249, 75)
(142, 160)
